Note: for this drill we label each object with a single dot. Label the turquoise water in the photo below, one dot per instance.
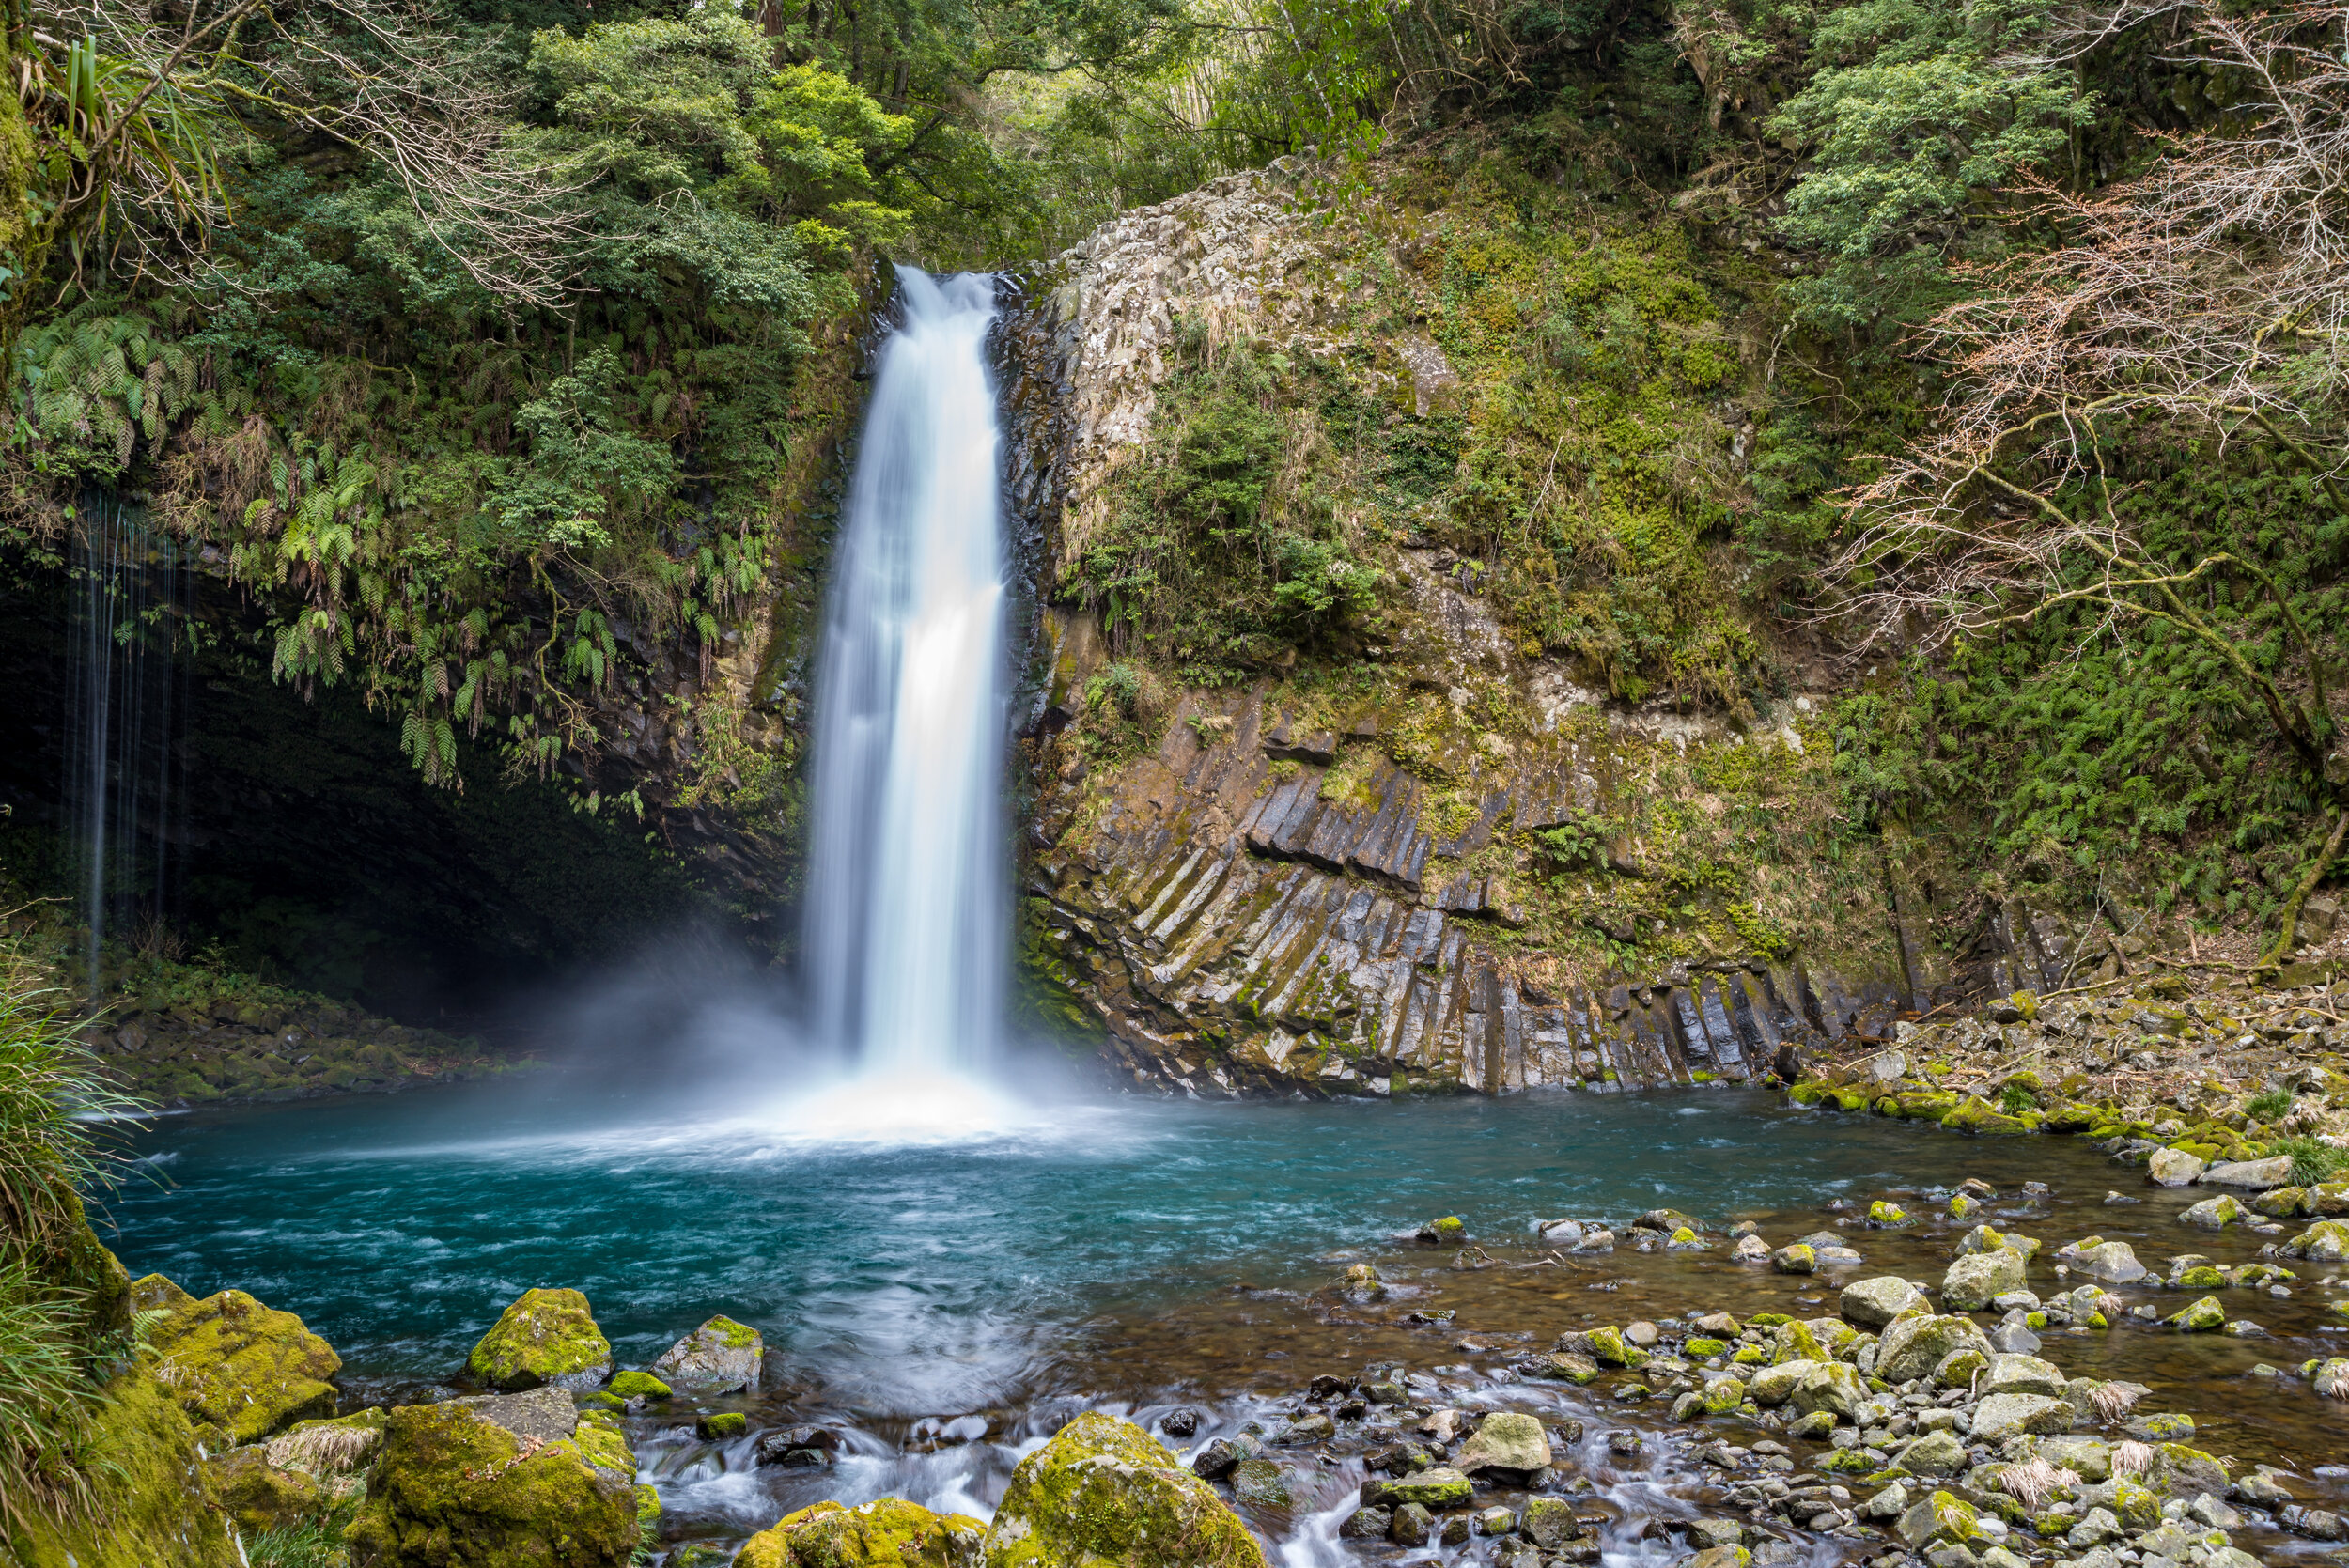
(907, 1280)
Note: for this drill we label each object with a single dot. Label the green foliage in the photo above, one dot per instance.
(2270, 1106)
(1918, 115)
(1578, 842)
(50, 1086)
(2311, 1161)
(1226, 544)
(2016, 1098)
(2134, 746)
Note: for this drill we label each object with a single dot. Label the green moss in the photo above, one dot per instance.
(453, 1488)
(547, 1336)
(1105, 1491)
(240, 1370)
(633, 1384)
(149, 1506)
(887, 1533)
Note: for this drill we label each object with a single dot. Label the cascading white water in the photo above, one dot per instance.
(905, 895)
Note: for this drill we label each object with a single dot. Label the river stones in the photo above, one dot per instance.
(2198, 1318)
(1777, 1385)
(881, 1534)
(2214, 1214)
(1103, 1490)
(1874, 1303)
(1973, 1282)
(240, 1370)
(1796, 1258)
(1934, 1453)
(2021, 1374)
(2113, 1262)
(2172, 1168)
(547, 1338)
(1442, 1487)
(1913, 1347)
(2326, 1241)
(1550, 1522)
(1830, 1389)
(719, 1357)
(2260, 1174)
(1507, 1440)
(519, 1480)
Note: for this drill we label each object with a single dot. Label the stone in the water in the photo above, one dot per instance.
(1447, 1232)
(1507, 1440)
(1550, 1522)
(1366, 1524)
(2021, 1374)
(1796, 1259)
(881, 1534)
(2002, 1416)
(2200, 1317)
(1181, 1421)
(1412, 1524)
(1935, 1453)
(519, 1479)
(1973, 1281)
(1874, 1303)
(546, 1338)
(1913, 1347)
(2014, 1339)
(796, 1448)
(1442, 1487)
(719, 1357)
(1261, 1483)
(1103, 1490)
(2113, 1262)
(1751, 1248)
(242, 1370)
(2214, 1214)
(637, 1385)
(2261, 1174)
(2172, 1168)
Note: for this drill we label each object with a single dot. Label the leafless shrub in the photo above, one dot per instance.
(2132, 1458)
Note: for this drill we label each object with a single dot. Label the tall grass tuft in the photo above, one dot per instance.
(2311, 1161)
(52, 1100)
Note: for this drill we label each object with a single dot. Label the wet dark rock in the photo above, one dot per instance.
(1367, 1524)
(796, 1447)
(1181, 1421)
(1412, 1524)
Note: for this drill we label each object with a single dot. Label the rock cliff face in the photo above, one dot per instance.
(1452, 864)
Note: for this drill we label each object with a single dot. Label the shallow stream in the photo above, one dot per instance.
(943, 1304)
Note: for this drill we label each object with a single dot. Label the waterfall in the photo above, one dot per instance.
(904, 923)
(127, 695)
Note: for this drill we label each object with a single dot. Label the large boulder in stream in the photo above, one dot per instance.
(889, 1533)
(240, 1370)
(1913, 1347)
(1105, 1492)
(546, 1338)
(511, 1481)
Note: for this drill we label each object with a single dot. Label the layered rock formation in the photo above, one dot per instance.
(1417, 873)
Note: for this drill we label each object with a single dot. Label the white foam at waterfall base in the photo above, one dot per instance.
(904, 926)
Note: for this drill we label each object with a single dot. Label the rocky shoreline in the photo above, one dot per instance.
(1968, 1416)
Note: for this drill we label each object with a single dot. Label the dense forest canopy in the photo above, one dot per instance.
(479, 337)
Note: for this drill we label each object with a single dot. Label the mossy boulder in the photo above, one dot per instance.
(1913, 1347)
(257, 1495)
(518, 1482)
(890, 1533)
(242, 1370)
(637, 1385)
(546, 1338)
(151, 1506)
(719, 1357)
(1105, 1492)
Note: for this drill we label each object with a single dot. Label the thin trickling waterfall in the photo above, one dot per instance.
(904, 918)
(128, 694)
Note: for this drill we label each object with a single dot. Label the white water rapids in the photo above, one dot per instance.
(904, 928)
